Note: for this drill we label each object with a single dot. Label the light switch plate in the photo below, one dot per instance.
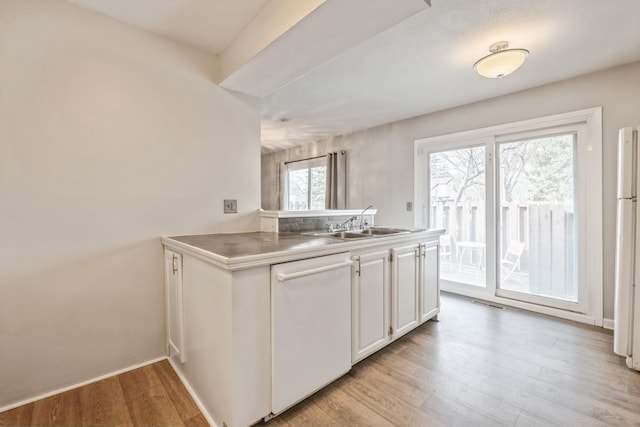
(409, 206)
(230, 206)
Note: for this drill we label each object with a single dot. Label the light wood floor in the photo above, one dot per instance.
(482, 366)
(478, 366)
(149, 396)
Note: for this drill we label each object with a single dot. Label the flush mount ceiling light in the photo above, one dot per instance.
(501, 62)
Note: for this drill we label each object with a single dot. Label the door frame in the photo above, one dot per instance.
(590, 240)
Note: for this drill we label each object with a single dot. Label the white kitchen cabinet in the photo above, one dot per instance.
(370, 304)
(226, 340)
(405, 277)
(393, 291)
(429, 281)
(174, 305)
(223, 333)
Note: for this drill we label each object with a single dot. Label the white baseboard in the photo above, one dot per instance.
(80, 384)
(607, 324)
(193, 394)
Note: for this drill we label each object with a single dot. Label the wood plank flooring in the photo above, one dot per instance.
(478, 366)
(149, 396)
(482, 366)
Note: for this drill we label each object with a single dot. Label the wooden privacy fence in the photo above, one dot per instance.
(551, 250)
(547, 230)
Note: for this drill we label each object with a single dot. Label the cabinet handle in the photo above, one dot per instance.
(175, 264)
(282, 277)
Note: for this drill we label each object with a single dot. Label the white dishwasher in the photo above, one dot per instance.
(310, 326)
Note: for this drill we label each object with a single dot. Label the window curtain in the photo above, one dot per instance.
(336, 197)
(281, 181)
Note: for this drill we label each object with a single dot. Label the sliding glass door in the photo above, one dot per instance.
(457, 188)
(535, 253)
(521, 206)
(537, 219)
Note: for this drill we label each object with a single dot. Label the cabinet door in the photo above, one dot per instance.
(429, 281)
(370, 305)
(173, 302)
(404, 285)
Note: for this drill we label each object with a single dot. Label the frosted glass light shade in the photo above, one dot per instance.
(501, 63)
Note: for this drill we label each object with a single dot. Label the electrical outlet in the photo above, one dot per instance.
(230, 206)
(409, 206)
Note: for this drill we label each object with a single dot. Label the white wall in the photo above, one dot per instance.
(380, 169)
(109, 138)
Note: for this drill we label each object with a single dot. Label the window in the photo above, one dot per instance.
(306, 182)
(531, 200)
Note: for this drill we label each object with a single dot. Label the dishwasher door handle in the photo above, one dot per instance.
(283, 277)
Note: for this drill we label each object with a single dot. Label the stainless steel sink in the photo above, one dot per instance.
(382, 231)
(360, 234)
(348, 234)
(339, 234)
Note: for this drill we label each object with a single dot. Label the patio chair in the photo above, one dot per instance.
(511, 259)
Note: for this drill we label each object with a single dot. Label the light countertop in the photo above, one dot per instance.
(235, 245)
(235, 251)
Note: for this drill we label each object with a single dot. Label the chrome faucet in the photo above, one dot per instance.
(347, 225)
(363, 223)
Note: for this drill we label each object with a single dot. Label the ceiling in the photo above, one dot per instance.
(346, 65)
(209, 25)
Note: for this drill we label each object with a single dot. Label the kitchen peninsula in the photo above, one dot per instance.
(258, 321)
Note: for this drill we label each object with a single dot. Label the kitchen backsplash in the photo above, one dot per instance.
(296, 221)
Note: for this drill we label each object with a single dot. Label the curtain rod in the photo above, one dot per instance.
(302, 160)
(310, 158)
